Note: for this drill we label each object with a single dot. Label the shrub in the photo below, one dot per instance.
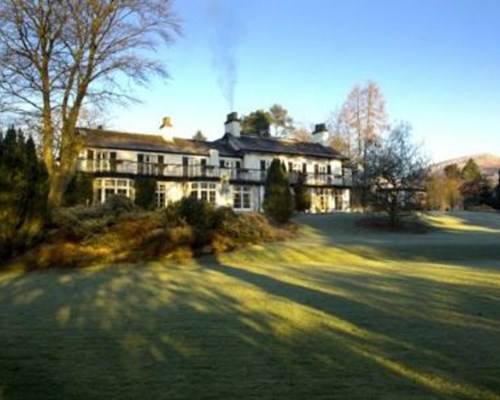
(247, 228)
(117, 205)
(278, 201)
(80, 222)
(301, 196)
(197, 213)
(145, 191)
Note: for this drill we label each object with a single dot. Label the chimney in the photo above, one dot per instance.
(166, 129)
(232, 124)
(320, 134)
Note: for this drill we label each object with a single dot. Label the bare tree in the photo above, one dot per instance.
(396, 172)
(56, 56)
(302, 134)
(362, 119)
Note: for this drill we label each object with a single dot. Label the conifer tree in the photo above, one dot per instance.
(302, 196)
(278, 201)
(23, 193)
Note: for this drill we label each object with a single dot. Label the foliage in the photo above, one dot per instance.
(117, 205)
(278, 201)
(396, 171)
(197, 213)
(118, 232)
(496, 194)
(474, 188)
(240, 230)
(79, 190)
(281, 120)
(56, 57)
(145, 192)
(199, 136)
(443, 190)
(301, 134)
(470, 171)
(23, 193)
(257, 122)
(302, 196)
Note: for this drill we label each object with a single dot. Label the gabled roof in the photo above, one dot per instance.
(155, 143)
(258, 144)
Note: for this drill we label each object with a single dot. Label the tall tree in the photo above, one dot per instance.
(358, 126)
(396, 172)
(302, 196)
(23, 193)
(471, 170)
(474, 187)
(363, 119)
(257, 123)
(58, 55)
(281, 121)
(301, 134)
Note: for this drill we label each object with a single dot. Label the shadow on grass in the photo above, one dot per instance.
(214, 330)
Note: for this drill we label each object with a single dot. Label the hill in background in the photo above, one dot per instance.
(489, 164)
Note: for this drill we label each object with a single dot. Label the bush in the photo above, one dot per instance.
(145, 192)
(278, 201)
(248, 228)
(117, 205)
(302, 196)
(197, 213)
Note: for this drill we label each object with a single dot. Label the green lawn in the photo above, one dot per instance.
(338, 313)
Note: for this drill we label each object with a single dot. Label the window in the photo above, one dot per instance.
(105, 187)
(146, 164)
(102, 160)
(161, 194)
(304, 168)
(262, 169)
(242, 197)
(204, 191)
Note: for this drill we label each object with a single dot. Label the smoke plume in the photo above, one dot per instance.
(224, 43)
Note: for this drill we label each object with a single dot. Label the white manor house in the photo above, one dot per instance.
(230, 171)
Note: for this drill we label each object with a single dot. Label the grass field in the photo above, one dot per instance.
(338, 313)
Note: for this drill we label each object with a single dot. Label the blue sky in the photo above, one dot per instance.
(437, 63)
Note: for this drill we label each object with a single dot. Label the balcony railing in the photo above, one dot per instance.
(200, 171)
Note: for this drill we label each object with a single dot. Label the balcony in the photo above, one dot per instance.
(199, 171)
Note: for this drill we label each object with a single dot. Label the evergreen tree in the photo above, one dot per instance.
(474, 184)
(278, 201)
(471, 171)
(23, 193)
(199, 136)
(302, 196)
(145, 193)
(496, 194)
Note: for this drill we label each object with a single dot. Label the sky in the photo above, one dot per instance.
(437, 63)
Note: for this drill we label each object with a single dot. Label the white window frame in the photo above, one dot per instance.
(204, 191)
(161, 200)
(106, 187)
(242, 197)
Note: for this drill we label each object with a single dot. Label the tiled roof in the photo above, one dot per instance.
(228, 145)
(251, 143)
(155, 143)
